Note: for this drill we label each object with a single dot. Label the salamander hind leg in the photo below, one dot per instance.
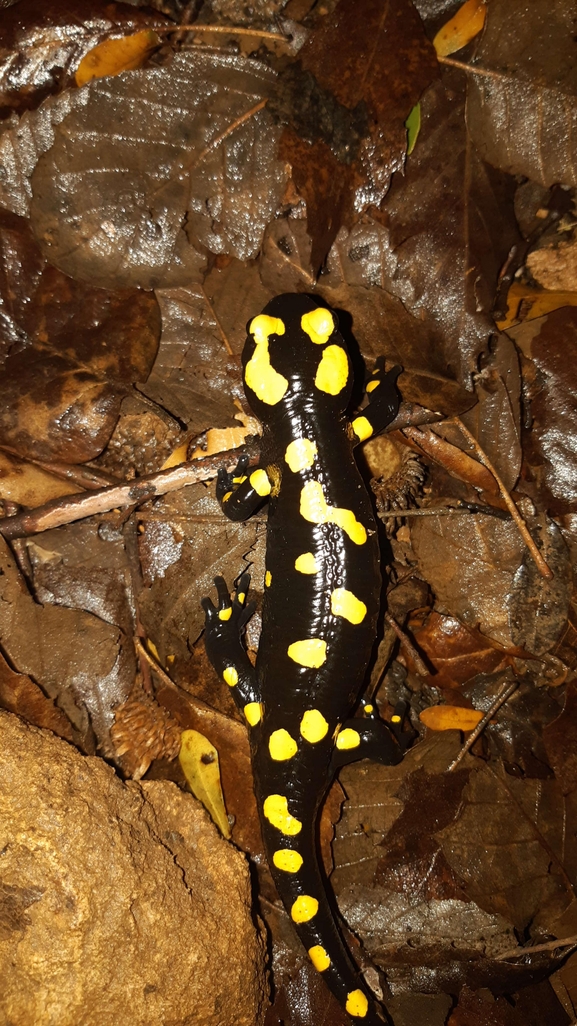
(370, 737)
(224, 627)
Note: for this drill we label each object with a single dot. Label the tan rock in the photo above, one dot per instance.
(119, 903)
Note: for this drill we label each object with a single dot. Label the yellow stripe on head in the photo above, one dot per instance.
(267, 384)
(333, 370)
(318, 325)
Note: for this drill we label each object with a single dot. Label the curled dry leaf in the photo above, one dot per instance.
(465, 24)
(450, 717)
(149, 160)
(42, 43)
(70, 352)
(522, 105)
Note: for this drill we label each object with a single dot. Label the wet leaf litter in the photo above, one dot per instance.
(145, 216)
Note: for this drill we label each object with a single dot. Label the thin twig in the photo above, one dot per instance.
(474, 69)
(542, 566)
(564, 942)
(407, 646)
(231, 30)
(505, 692)
(87, 504)
(444, 511)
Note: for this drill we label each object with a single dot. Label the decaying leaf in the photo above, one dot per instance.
(465, 24)
(202, 158)
(116, 55)
(450, 717)
(70, 352)
(199, 761)
(522, 108)
(42, 44)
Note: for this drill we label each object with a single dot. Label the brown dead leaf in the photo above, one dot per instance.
(457, 652)
(70, 352)
(19, 694)
(197, 151)
(551, 445)
(533, 1006)
(448, 227)
(482, 574)
(521, 108)
(383, 60)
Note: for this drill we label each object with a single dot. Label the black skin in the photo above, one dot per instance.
(297, 606)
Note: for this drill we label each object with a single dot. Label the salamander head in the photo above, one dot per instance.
(294, 350)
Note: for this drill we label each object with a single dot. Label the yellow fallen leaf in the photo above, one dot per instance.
(116, 55)
(450, 717)
(461, 28)
(199, 761)
(526, 304)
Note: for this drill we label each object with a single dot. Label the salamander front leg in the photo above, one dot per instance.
(382, 407)
(224, 627)
(370, 737)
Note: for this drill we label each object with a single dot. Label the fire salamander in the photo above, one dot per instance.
(321, 602)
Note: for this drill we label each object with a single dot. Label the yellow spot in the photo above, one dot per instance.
(225, 614)
(357, 1003)
(333, 370)
(230, 676)
(304, 908)
(227, 497)
(267, 578)
(362, 428)
(307, 564)
(253, 713)
(315, 509)
(281, 745)
(319, 958)
(348, 738)
(267, 384)
(260, 482)
(300, 454)
(344, 603)
(369, 709)
(275, 808)
(318, 325)
(241, 597)
(312, 652)
(372, 385)
(313, 726)
(394, 719)
(239, 480)
(287, 860)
